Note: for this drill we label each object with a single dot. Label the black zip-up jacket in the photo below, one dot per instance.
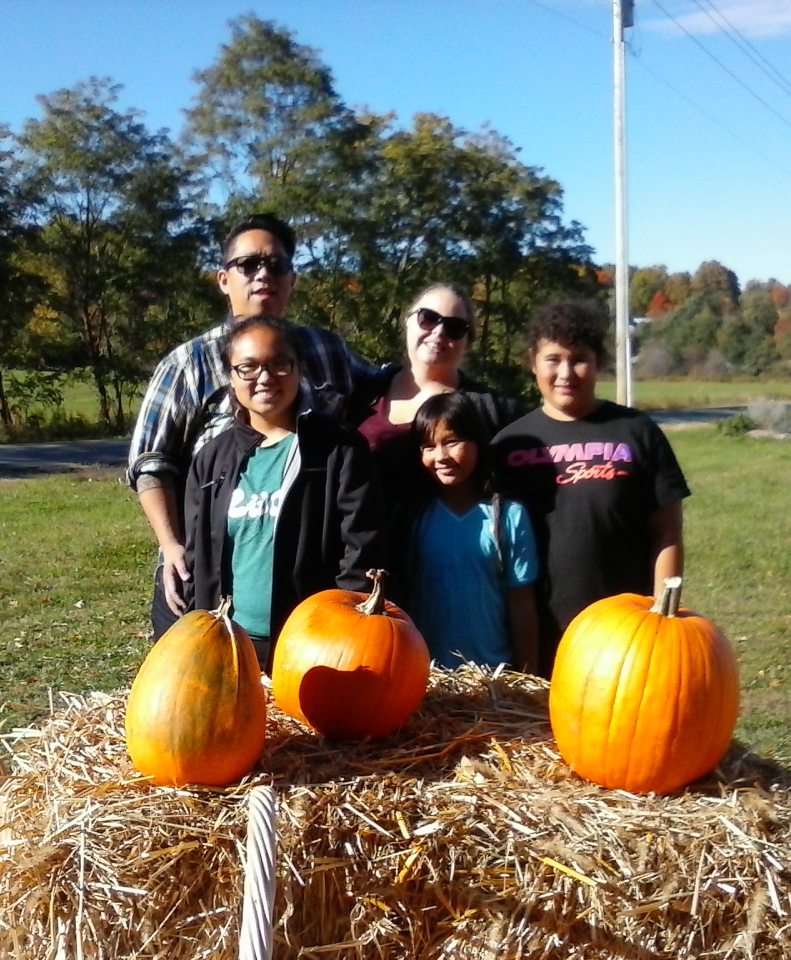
(330, 529)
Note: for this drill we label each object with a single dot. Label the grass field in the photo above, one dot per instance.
(80, 397)
(682, 393)
(77, 560)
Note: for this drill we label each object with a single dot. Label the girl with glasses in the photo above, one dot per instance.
(283, 504)
(470, 560)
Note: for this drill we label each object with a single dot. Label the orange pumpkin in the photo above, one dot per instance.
(643, 697)
(197, 711)
(350, 665)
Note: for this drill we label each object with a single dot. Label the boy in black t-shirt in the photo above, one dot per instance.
(601, 482)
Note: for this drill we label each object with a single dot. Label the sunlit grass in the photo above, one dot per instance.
(77, 561)
(738, 528)
(75, 575)
(684, 393)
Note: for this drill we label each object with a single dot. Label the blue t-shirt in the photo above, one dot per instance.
(250, 535)
(457, 594)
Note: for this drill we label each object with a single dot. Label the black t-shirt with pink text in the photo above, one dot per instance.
(590, 487)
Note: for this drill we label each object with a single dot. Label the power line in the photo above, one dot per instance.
(751, 146)
(563, 16)
(713, 119)
(746, 47)
(722, 65)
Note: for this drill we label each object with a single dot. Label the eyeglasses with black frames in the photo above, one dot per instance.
(455, 328)
(251, 264)
(252, 369)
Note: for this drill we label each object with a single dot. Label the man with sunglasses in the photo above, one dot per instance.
(186, 403)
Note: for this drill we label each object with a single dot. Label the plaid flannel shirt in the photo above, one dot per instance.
(186, 403)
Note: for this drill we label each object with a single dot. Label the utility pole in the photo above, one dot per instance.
(623, 17)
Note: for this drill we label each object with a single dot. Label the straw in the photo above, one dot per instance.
(465, 835)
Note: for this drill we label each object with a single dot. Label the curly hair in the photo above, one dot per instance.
(572, 323)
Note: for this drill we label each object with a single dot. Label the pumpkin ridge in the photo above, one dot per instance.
(645, 754)
(592, 695)
(619, 695)
(719, 683)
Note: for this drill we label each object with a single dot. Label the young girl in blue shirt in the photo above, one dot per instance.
(471, 558)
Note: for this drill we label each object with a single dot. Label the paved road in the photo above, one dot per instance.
(707, 415)
(29, 459)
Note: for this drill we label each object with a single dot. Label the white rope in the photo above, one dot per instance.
(255, 938)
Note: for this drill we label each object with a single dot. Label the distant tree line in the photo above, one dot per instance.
(109, 232)
(704, 325)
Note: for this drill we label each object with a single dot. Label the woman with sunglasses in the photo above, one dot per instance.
(439, 325)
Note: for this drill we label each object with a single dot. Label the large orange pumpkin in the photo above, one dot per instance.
(197, 711)
(644, 696)
(350, 665)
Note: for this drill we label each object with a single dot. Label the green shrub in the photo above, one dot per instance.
(737, 425)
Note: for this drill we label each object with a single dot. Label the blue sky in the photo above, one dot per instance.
(708, 92)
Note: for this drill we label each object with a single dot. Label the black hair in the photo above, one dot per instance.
(261, 221)
(240, 328)
(462, 418)
(573, 323)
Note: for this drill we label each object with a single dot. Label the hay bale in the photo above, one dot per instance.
(464, 836)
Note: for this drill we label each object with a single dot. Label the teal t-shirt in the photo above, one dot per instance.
(457, 594)
(250, 535)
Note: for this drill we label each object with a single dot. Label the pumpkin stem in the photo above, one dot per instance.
(668, 603)
(222, 614)
(375, 604)
(222, 611)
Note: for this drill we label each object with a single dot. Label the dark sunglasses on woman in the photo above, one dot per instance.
(454, 327)
(249, 265)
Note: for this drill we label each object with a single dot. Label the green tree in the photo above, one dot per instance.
(434, 202)
(16, 290)
(687, 334)
(111, 206)
(262, 118)
(380, 208)
(747, 336)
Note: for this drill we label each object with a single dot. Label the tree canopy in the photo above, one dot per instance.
(109, 231)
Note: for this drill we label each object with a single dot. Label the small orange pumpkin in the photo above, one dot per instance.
(643, 697)
(349, 665)
(197, 711)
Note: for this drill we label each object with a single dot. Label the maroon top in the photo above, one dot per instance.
(378, 430)
(399, 467)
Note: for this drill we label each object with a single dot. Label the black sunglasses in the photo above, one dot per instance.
(249, 265)
(454, 327)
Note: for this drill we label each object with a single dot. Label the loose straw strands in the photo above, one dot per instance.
(463, 836)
